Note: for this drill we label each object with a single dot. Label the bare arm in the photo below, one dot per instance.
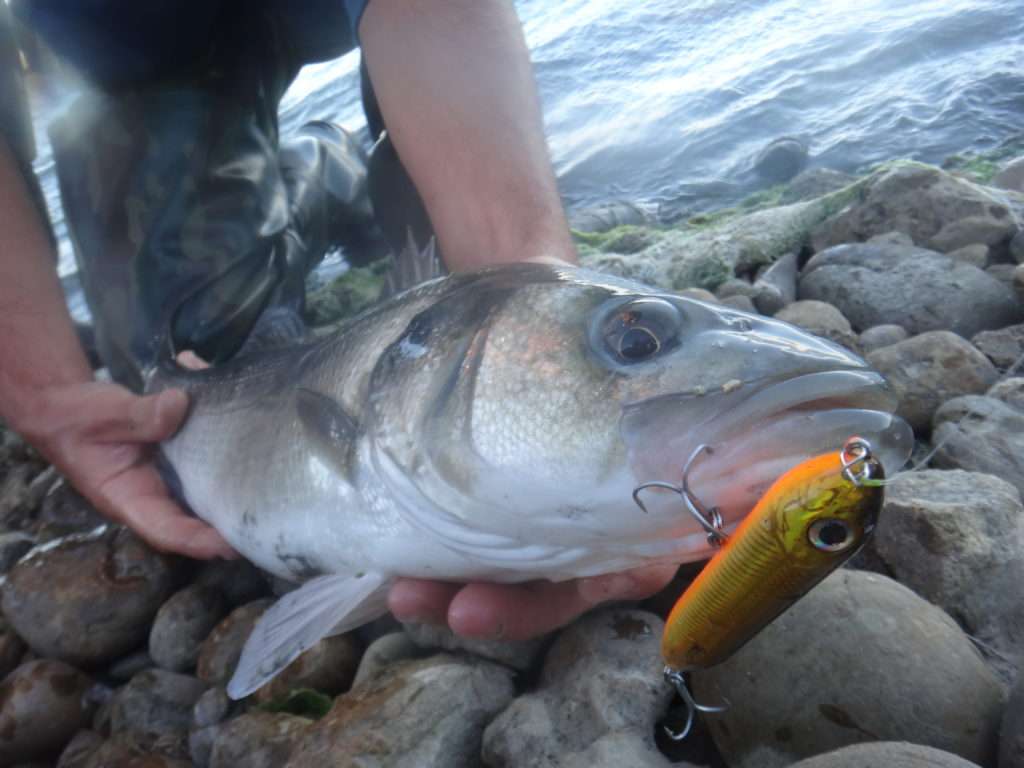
(97, 434)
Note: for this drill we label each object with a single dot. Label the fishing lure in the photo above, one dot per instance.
(809, 522)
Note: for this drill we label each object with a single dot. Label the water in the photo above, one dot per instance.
(662, 101)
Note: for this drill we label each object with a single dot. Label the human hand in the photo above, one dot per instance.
(101, 437)
(518, 611)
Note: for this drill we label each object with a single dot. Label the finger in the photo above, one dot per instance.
(120, 416)
(514, 612)
(165, 526)
(192, 361)
(421, 600)
(636, 584)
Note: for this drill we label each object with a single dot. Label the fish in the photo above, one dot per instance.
(493, 426)
(811, 520)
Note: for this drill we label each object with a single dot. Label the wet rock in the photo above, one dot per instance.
(821, 319)
(981, 434)
(258, 740)
(601, 679)
(424, 713)
(219, 653)
(886, 754)
(976, 254)
(156, 707)
(42, 705)
(518, 655)
(1011, 176)
(601, 218)
(815, 182)
(859, 658)
(1009, 391)
(936, 209)
(78, 751)
(781, 160)
(383, 652)
(239, 581)
(183, 623)
(917, 289)
(87, 599)
(328, 667)
(878, 336)
(776, 286)
(928, 369)
(1011, 734)
(13, 545)
(1003, 347)
(957, 539)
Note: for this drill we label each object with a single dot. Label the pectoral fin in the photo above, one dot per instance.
(324, 606)
(331, 430)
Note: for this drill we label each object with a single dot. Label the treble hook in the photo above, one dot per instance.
(709, 519)
(675, 677)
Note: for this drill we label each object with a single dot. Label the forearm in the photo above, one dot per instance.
(38, 345)
(456, 89)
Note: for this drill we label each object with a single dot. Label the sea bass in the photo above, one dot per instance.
(493, 426)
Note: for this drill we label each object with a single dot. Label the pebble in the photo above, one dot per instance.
(781, 160)
(181, 625)
(815, 182)
(776, 286)
(385, 650)
(239, 581)
(42, 705)
(65, 511)
(1017, 247)
(219, 653)
(878, 336)
(13, 545)
(1011, 176)
(212, 707)
(427, 713)
(12, 648)
(601, 218)
(926, 370)
(742, 303)
(976, 254)
(602, 676)
(1011, 734)
(328, 667)
(957, 539)
(1009, 391)
(859, 658)
(735, 286)
(123, 752)
(127, 667)
(1003, 347)
(915, 288)
(78, 751)
(822, 320)
(981, 434)
(886, 754)
(1017, 281)
(258, 740)
(892, 238)
(156, 708)
(110, 582)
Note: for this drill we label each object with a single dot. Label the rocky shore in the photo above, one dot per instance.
(114, 655)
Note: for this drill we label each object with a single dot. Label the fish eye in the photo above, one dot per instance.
(830, 535)
(640, 330)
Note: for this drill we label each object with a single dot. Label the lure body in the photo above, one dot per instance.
(808, 523)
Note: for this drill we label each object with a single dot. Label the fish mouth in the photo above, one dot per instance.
(756, 431)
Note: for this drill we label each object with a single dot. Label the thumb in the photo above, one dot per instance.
(145, 419)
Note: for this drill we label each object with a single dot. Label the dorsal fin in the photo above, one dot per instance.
(412, 266)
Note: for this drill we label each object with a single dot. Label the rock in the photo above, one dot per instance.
(13, 545)
(258, 740)
(936, 209)
(239, 581)
(886, 754)
(219, 653)
(182, 624)
(127, 667)
(328, 667)
(735, 286)
(87, 599)
(1018, 281)
(64, 510)
(976, 255)
(1003, 347)
(212, 707)
(820, 319)
(781, 160)
(156, 708)
(20, 496)
(601, 678)
(917, 289)
(815, 182)
(78, 751)
(891, 238)
(1017, 247)
(518, 655)
(699, 294)
(742, 303)
(1011, 176)
(424, 713)
(619, 749)
(928, 369)
(981, 434)
(776, 287)
(859, 658)
(12, 648)
(122, 752)
(878, 336)
(200, 744)
(383, 652)
(1011, 734)
(1002, 273)
(42, 705)
(957, 539)
(1009, 391)
(606, 216)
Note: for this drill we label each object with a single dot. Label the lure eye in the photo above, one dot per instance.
(640, 330)
(830, 535)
